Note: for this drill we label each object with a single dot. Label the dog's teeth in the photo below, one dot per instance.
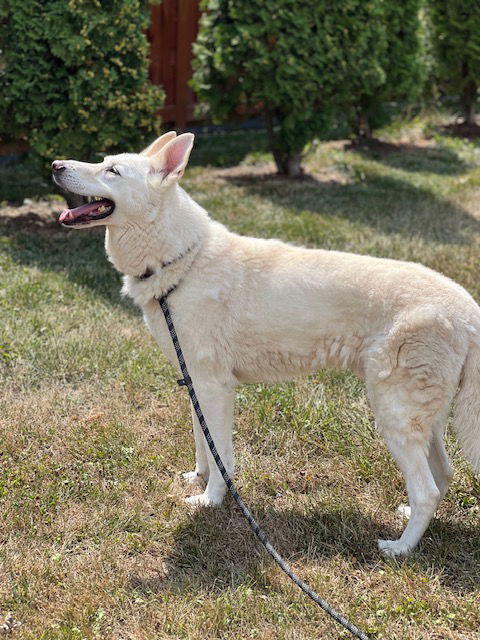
(102, 209)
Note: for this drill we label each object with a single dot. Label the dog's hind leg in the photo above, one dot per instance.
(423, 493)
(411, 379)
(438, 462)
(216, 401)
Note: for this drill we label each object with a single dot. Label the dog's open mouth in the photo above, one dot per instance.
(96, 210)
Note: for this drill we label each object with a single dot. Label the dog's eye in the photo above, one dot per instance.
(113, 170)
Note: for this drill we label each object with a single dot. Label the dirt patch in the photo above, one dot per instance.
(462, 130)
(416, 146)
(381, 147)
(33, 215)
(267, 172)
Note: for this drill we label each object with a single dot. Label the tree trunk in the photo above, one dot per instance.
(469, 99)
(289, 163)
(364, 130)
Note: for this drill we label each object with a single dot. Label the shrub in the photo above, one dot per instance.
(404, 65)
(73, 77)
(293, 61)
(455, 28)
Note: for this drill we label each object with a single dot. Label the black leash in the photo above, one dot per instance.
(187, 382)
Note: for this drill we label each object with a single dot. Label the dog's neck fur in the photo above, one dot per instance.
(174, 234)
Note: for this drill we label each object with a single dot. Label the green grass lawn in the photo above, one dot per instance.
(95, 541)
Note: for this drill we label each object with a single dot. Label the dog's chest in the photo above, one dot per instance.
(155, 321)
(144, 295)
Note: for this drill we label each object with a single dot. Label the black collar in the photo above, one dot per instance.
(149, 272)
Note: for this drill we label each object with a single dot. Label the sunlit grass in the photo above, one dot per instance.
(95, 541)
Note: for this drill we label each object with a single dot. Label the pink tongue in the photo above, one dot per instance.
(71, 214)
(66, 215)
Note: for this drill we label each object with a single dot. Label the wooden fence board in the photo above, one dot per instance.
(173, 29)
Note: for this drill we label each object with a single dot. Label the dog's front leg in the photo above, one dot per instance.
(198, 477)
(216, 401)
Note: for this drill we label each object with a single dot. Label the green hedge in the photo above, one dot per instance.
(73, 76)
(302, 62)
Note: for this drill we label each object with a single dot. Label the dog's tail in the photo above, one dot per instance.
(467, 407)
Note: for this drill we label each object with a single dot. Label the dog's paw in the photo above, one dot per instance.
(194, 479)
(203, 500)
(405, 511)
(393, 548)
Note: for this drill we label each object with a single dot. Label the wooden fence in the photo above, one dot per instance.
(173, 29)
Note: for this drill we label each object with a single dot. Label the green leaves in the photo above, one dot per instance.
(304, 62)
(456, 41)
(75, 76)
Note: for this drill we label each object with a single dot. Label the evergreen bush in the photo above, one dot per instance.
(455, 29)
(293, 61)
(404, 65)
(74, 76)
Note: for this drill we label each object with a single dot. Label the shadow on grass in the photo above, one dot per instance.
(78, 255)
(462, 130)
(227, 148)
(411, 157)
(387, 205)
(20, 177)
(452, 551)
(217, 550)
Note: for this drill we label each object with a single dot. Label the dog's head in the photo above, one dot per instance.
(124, 188)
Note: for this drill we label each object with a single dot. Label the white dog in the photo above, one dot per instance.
(249, 310)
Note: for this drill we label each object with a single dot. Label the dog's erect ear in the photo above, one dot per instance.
(172, 159)
(158, 144)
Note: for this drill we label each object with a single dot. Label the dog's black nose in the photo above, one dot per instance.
(58, 166)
